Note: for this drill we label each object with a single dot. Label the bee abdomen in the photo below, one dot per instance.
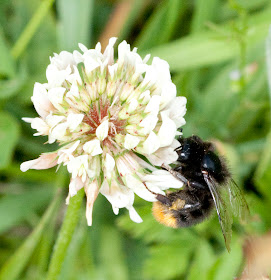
(186, 218)
(186, 209)
(164, 215)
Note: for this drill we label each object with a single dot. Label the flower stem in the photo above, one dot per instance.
(65, 236)
(31, 28)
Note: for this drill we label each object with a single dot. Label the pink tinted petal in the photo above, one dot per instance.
(41, 101)
(67, 201)
(92, 191)
(43, 162)
(75, 185)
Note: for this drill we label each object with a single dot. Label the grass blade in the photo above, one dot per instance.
(17, 262)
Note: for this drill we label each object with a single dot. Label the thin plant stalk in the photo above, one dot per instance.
(18, 261)
(65, 236)
(31, 28)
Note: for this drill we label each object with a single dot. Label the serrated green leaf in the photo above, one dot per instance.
(9, 133)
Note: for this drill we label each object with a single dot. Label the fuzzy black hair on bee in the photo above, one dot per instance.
(207, 185)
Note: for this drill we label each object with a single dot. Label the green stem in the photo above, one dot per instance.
(241, 38)
(65, 236)
(243, 66)
(31, 28)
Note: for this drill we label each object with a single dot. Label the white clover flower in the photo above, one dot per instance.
(116, 120)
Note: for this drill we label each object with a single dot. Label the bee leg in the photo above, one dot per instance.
(162, 198)
(193, 185)
(191, 207)
(175, 174)
(178, 175)
(166, 167)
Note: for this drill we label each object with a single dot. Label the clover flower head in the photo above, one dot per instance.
(115, 121)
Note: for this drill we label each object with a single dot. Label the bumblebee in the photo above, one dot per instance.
(207, 185)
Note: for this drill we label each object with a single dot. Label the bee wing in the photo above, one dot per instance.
(238, 202)
(223, 212)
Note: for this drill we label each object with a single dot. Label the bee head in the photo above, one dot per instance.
(191, 148)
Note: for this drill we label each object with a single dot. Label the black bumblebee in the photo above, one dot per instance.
(205, 176)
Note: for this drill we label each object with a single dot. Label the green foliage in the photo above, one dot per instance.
(7, 67)
(14, 204)
(9, 133)
(17, 262)
(204, 42)
(73, 29)
(208, 48)
(263, 174)
(203, 260)
(163, 21)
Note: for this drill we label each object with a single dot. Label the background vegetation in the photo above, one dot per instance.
(217, 53)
